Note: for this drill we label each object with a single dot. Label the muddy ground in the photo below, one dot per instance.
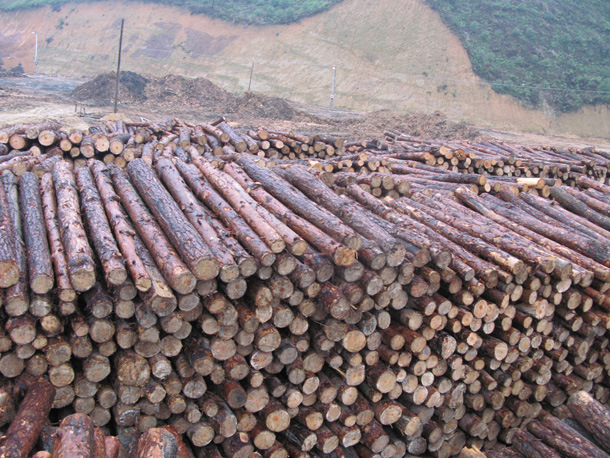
(76, 103)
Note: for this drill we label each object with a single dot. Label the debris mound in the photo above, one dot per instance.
(100, 91)
(427, 126)
(198, 92)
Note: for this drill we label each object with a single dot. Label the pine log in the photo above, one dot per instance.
(187, 241)
(9, 263)
(79, 255)
(223, 211)
(157, 443)
(113, 263)
(25, 428)
(593, 416)
(341, 255)
(226, 187)
(174, 270)
(75, 437)
(16, 295)
(198, 217)
(300, 204)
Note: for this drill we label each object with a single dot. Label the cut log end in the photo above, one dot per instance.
(185, 283)
(344, 257)
(206, 269)
(42, 284)
(117, 277)
(83, 279)
(299, 247)
(228, 273)
(9, 273)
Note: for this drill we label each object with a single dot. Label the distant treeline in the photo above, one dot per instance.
(523, 45)
(256, 12)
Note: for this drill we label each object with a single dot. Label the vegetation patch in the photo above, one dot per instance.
(256, 12)
(542, 52)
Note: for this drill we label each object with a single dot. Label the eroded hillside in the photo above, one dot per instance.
(389, 54)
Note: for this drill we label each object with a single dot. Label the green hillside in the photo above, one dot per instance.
(258, 12)
(522, 46)
(542, 52)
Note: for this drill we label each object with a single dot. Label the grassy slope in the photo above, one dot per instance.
(259, 12)
(520, 46)
(523, 45)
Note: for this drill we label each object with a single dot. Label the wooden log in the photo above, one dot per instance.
(344, 209)
(121, 226)
(300, 204)
(562, 438)
(531, 447)
(9, 264)
(79, 255)
(157, 443)
(16, 298)
(75, 437)
(111, 259)
(174, 270)
(187, 241)
(229, 217)
(340, 254)
(593, 416)
(24, 430)
(246, 208)
(198, 217)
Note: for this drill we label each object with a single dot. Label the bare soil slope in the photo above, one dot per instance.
(390, 54)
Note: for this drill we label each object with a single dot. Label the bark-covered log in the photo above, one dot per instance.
(16, 295)
(113, 263)
(35, 235)
(25, 428)
(229, 217)
(75, 437)
(122, 228)
(9, 264)
(300, 204)
(593, 416)
(198, 217)
(226, 187)
(157, 443)
(341, 255)
(187, 241)
(170, 264)
(79, 255)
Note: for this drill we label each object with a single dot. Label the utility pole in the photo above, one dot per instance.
(251, 72)
(35, 32)
(332, 94)
(118, 68)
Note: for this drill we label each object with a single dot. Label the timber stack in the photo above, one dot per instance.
(288, 311)
(582, 429)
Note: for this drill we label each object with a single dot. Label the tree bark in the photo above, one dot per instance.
(9, 263)
(174, 270)
(25, 428)
(121, 226)
(79, 255)
(229, 217)
(198, 217)
(593, 416)
(113, 263)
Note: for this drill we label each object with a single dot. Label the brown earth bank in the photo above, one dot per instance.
(389, 54)
(76, 104)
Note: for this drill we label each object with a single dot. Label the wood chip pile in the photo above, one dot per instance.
(169, 275)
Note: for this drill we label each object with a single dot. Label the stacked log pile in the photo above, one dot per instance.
(584, 430)
(500, 159)
(256, 310)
